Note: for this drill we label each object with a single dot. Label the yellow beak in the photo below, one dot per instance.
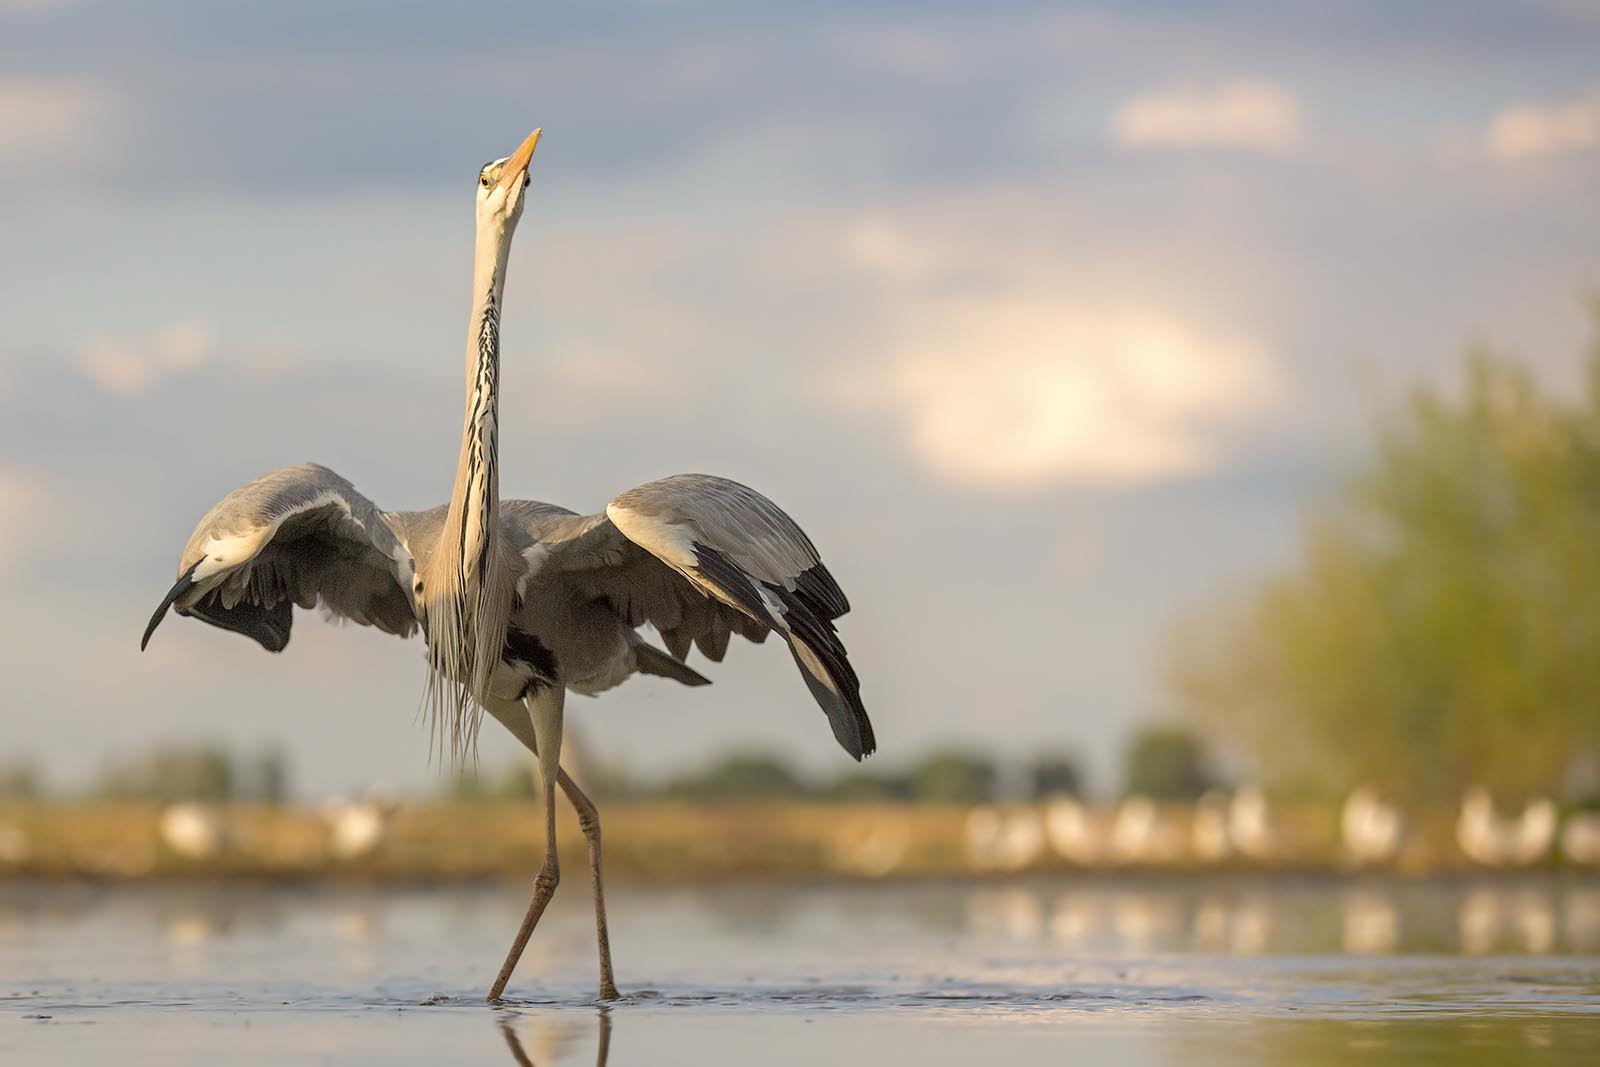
(517, 165)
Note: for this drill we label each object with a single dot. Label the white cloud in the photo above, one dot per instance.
(126, 369)
(887, 250)
(1526, 131)
(1239, 114)
(1027, 388)
(17, 496)
(47, 124)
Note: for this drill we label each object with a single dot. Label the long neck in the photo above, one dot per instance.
(467, 594)
(475, 500)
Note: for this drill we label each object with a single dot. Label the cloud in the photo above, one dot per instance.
(1526, 131)
(127, 369)
(1025, 389)
(47, 124)
(1239, 114)
(887, 250)
(18, 495)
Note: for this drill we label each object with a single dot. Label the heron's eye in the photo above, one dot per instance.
(525, 181)
(483, 180)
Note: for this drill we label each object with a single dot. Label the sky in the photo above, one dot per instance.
(1047, 321)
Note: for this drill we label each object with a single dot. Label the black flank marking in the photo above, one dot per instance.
(526, 649)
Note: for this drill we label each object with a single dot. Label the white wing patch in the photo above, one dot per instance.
(233, 550)
(671, 542)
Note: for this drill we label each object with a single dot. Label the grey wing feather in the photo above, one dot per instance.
(703, 558)
(302, 536)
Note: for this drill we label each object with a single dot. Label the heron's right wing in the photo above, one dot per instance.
(701, 558)
(300, 535)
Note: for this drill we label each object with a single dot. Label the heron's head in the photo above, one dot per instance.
(501, 184)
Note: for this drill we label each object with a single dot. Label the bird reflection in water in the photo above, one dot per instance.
(548, 1039)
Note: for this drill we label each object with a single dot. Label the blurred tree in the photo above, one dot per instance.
(1167, 763)
(512, 781)
(1443, 624)
(1056, 776)
(612, 781)
(952, 778)
(20, 780)
(171, 772)
(866, 783)
(739, 776)
(264, 778)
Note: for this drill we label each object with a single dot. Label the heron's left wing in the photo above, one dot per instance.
(300, 535)
(701, 557)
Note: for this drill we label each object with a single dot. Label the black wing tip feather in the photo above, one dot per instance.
(185, 580)
(809, 611)
(818, 590)
(840, 693)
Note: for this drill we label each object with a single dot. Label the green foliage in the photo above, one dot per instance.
(1167, 763)
(206, 772)
(173, 772)
(516, 780)
(865, 784)
(745, 776)
(952, 778)
(1443, 624)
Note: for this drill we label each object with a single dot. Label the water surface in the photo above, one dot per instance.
(1223, 971)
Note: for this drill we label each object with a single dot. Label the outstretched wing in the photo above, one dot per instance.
(702, 558)
(300, 535)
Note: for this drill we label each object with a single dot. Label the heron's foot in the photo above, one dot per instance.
(608, 990)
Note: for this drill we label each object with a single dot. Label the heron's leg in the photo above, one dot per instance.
(589, 821)
(544, 707)
(515, 717)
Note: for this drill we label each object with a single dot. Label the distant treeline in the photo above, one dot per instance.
(1163, 762)
(945, 777)
(168, 771)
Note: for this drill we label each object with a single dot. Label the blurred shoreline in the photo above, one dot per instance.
(676, 843)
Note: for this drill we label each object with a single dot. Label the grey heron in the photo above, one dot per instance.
(520, 601)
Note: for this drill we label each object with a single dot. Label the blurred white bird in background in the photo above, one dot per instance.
(358, 829)
(1208, 829)
(1580, 838)
(1369, 829)
(193, 831)
(1072, 831)
(1000, 840)
(1140, 834)
(1488, 839)
(1250, 824)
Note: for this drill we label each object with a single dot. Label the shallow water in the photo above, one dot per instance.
(1221, 971)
